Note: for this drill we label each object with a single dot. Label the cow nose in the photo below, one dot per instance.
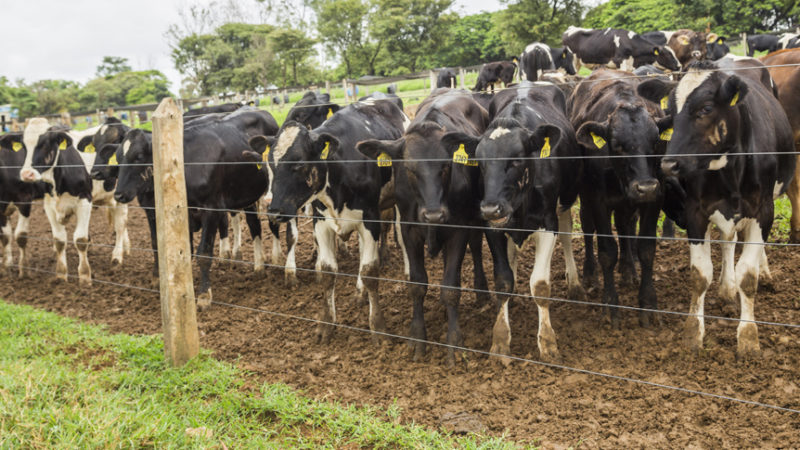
(646, 186)
(119, 197)
(28, 175)
(96, 175)
(491, 211)
(696, 54)
(433, 215)
(669, 167)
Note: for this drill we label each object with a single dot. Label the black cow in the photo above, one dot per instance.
(210, 186)
(322, 167)
(446, 79)
(223, 108)
(612, 120)
(444, 189)
(15, 195)
(657, 37)
(494, 72)
(526, 189)
(763, 42)
(616, 49)
(732, 151)
(378, 95)
(312, 110)
(717, 48)
(538, 58)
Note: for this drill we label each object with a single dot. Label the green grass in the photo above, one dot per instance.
(64, 384)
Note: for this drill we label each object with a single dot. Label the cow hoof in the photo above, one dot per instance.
(628, 278)
(747, 346)
(116, 262)
(418, 350)
(204, 301)
(238, 255)
(692, 338)
(290, 279)
(500, 352)
(361, 298)
(324, 333)
(576, 292)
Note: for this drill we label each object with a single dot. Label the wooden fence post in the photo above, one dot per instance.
(328, 87)
(432, 77)
(178, 309)
(344, 86)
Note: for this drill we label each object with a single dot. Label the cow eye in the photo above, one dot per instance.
(517, 163)
(706, 110)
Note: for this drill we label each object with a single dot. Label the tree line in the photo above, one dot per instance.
(301, 42)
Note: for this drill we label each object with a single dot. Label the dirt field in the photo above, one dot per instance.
(523, 401)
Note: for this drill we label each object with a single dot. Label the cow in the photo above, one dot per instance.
(763, 42)
(446, 79)
(223, 108)
(616, 49)
(613, 121)
(717, 48)
(529, 160)
(15, 195)
(312, 110)
(688, 46)
(378, 95)
(658, 37)
(538, 58)
(441, 189)
(322, 167)
(566, 83)
(495, 72)
(212, 188)
(731, 149)
(787, 81)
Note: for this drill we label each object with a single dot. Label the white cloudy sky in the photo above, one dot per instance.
(66, 39)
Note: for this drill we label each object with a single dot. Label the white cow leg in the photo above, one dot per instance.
(540, 289)
(236, 252)
(276, 250)
(81, 240)
(5, 241)
(399, 234)
(765, 276)
(574, 288)
(258, 254)
(702, 272)
(369, 267)
(327, 267)
(747, 270)
(59, 237)
(501, 333)
(21, 236)
(120, 233)
(290, 270)
(727, 278)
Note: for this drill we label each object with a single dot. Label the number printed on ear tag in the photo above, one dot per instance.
(665, 102)
(461, 157)
(384, 160)
(666, 135)
(89, 148)
(16, 146)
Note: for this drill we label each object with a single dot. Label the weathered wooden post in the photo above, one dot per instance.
(462, 76)
(432, 78)
(344, 87)
(328, 87)
(178, 309)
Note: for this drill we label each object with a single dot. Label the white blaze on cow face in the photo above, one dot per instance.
(691, 81)
(499, 132)
(718, 163)
(285, 141)
(30, 137)
(125, 147)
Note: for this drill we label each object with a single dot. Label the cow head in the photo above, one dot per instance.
(300, 159)
(704, 114)
(630, 136)
(12, 142)
(716, 46)
(666, 59)
(689, 46)
(563, 59)
(135, 172)
(106, 165)
(45, 155)
(312, 110)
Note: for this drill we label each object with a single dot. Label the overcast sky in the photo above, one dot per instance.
(60, 39)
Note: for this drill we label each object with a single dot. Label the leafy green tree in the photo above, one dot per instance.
(526, 21)
(292, 48)
(112, 65)
(470, 40)
(342, 26)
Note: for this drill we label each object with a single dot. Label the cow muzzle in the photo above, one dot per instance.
(644, 190)
(696, 54)
(437, 215)
(277, 215)
(494, 213)
(123, 197)
(30, 175)
(670, 167)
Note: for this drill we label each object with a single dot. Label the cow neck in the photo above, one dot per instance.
(69, 174)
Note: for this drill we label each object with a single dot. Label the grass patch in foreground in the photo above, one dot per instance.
(67, 384)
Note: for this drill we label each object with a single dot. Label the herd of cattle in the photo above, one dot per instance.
(713, 148)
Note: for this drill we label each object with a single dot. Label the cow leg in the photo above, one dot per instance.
(290, 271)
(574, 289)
(412, 240)
(275, 228)
(626, 224)
(399, 235)
(764, 274)
(59, 236)
(81, 241)
(326, 267)
(236, 222)
(386, 228)
(254, 225)
(122, 244)
(210, 222)
(503, 249)
(455, 248)
(21, 236)
(646, 251)
(747, 280)
(480, 285)
(668, 228)
(151, 224)
(608, 253)
(540, 289)
(224, 241)
(793, 192)
(6, 231)
(589, 262)
(702, 273)
(369, 271)
(727, 278)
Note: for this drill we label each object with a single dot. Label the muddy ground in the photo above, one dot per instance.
(524, 401)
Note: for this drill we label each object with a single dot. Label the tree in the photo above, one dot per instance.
(470, 40)
(292, 47)
(112, 65)
(343, 26)
(526, 21)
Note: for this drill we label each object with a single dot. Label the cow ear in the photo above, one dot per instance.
(85, 145)
(656, 90)
(325, 147)
(372, 148)
(732, 91)
(331, 110)
(543, 139)
(711, 37)
(455, 141)
(683, 40)
(105, 153)
(664, 124)
(12, 141)
(64, 140)
(593, 135)
(260, 144)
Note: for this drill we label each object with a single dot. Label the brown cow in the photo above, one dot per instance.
(688, 46)
(787, 80)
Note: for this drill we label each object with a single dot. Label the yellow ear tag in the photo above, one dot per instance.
(735, 99)
(665, 102)
(384, 160)
(63, 145)
(461, 157)
(330, 113)
(16, 146)
(598, 141)
(113, 160)
(89, 148)
(666, 135)
(264, 157)
(545, 148)
(656, 52)
(719, 41)
(325, 150)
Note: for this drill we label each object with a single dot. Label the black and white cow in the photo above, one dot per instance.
(446, 79)
(658, 37)
(616, 49)
(322, 167)
(731, 148)
(495, 72)
(538, 58)
(203, 110)
(15, 196)
(527, 189)
(211, 188)
(312, 110)
(436, 183)
(613, 121)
